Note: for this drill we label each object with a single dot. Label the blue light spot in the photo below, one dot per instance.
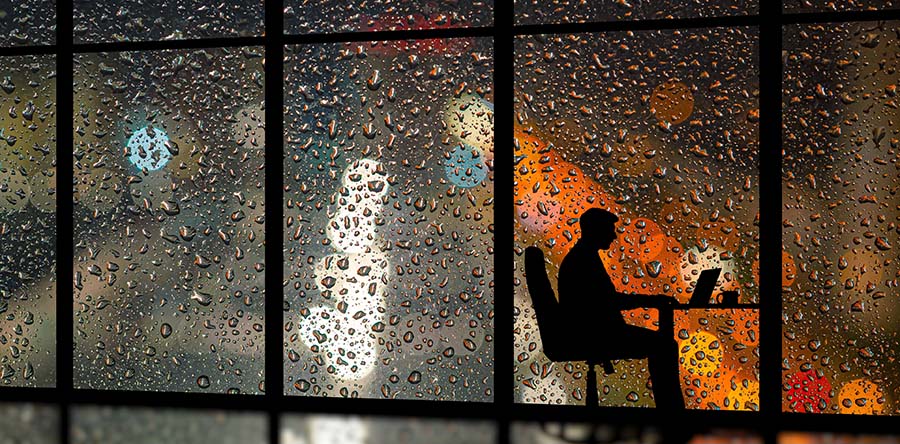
(147, 149)
(466, 167)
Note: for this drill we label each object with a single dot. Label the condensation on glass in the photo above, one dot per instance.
(26, 423)
(837, 5)
(28, 23)
(840, 182)
(169, 213)
(324, 16)
(388, 220)
(330, 429)
(124, 425)
(566, 433)
(660, 128)
(530, 12)
(97, 21)
(28, 221)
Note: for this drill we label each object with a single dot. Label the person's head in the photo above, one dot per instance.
(598, 228)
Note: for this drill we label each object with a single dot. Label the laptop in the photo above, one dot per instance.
(705, 286)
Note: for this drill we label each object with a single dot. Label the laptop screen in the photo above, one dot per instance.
(705, 286)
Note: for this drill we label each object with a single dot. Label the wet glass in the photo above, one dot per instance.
(28, 221)
(25, 23)
(840, 341)
(121, 425)
(533, 12)
(169, 209)
(837, 5)
(331, 429)
(661, 129)
(98, 21)
(326, 16)
(388, 220)
(22, 423)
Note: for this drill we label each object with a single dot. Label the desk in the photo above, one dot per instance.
(666, 324)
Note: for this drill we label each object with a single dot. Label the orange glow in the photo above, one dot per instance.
(701, 354)
(861, 397)
(551, 193)
(788, 269)
(647, 238)
(743, 394)
(711, 391)
(723, 234)
(672, 102)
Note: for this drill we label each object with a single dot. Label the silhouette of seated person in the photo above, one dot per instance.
(592, 307)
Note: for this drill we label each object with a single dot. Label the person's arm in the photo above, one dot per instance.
(632, 301)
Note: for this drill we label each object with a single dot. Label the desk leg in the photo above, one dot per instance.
(667, 321)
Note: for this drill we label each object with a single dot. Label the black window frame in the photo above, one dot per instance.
(503, 411)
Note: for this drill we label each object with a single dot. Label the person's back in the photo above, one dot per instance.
(587, 295)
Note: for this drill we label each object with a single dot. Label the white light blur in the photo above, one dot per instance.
(355, 276)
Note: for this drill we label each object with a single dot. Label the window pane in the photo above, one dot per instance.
(28, 221)
(29, 424)
(389, 266)
(529, 12)
(169, 220)
(120, 425)
(328, 429)
(324, 16)
(30, 22)
(121, 20)
(659, 128)
(566, 433)
(840, 343)
(839, 5)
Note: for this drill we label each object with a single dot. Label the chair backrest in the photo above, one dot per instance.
(543, 299)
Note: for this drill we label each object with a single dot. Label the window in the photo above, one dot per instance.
(169, 207)
(665, 135)
(289, 222)
(28, 217)
(840, 185)
(389, 227)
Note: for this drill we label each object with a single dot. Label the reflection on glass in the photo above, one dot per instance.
(659, 128)
(119, 425)
(583, 433)
(120, 20)
(29, 424)
(324, 16)
(28, 221)
(388, 204)
(529, 12)
(834, 438)
(31, 22)
(169, 220)
(840, 332)
(324, 429)
(836, 5)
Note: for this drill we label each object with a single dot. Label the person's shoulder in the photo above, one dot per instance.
(575, 255)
